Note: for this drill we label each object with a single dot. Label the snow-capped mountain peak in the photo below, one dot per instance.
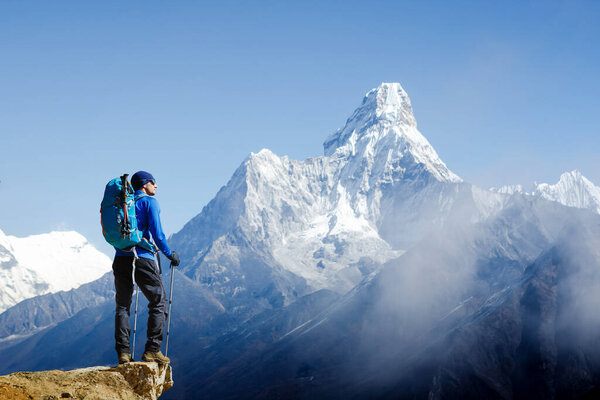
(572, 190)
(382, 136)
(318, 223)
(387, 104)
(391, 104)
(46, 263)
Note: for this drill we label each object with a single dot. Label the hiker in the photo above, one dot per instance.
(147, 275)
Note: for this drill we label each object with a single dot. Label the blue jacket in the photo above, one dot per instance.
(147, 212)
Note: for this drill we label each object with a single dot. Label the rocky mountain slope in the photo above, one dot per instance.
(543, 331)
(392, 334)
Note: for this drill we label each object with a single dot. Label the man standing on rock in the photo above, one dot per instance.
(147, 275)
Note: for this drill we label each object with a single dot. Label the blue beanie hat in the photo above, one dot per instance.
(140, 178)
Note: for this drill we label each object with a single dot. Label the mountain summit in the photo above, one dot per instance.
(382, 135)
(573, 190)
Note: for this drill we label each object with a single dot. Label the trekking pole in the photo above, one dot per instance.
(169, 316)
(137, 291)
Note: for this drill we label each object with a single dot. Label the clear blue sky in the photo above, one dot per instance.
(507, 92)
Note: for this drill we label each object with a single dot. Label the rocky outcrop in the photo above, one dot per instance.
(131, 381)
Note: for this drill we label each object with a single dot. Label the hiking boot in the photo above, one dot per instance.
(125, 358)
(155, 357)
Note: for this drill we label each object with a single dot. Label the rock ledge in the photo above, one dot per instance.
(131, 381)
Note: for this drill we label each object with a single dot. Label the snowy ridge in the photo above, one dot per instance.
(319, 219)
(295, 213)
(509, 189)
(46, 263)
(572, 190)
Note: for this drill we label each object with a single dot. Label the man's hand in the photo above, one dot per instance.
(174, 257)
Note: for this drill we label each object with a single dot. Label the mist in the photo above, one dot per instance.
(532, 267)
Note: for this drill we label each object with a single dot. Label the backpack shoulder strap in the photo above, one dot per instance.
(139, 196)
(145, 243)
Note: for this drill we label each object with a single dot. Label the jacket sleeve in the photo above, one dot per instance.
(155, 227)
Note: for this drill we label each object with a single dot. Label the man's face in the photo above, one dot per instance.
(150, 188)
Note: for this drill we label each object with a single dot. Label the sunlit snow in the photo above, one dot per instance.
(46, 263)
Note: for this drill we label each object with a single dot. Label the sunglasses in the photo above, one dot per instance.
(152, 181)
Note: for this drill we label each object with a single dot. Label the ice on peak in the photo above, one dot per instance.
(383, 131)
(263, 153)
(574, 173)
(568, 181)
(390, 102)
(264, 159)
(574, 190)
(572, 176)
(386, 104)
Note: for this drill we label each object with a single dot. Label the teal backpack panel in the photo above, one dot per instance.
(118, 217)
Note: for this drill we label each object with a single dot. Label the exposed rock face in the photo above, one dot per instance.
(132, 381)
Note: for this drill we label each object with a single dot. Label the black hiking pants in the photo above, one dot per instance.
(148, 278)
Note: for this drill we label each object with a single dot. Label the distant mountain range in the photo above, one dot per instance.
(48, 263)
(372, 271)
(573, 190)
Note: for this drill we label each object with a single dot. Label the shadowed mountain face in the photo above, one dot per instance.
(370, 272)
(435, 323)
(43, 311)
(538, 339)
